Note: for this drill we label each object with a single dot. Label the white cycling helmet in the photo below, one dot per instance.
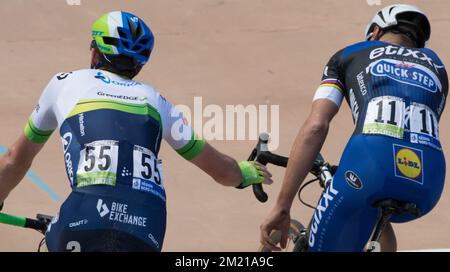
(394, 15)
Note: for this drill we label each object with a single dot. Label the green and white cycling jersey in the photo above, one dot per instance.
(111, 129)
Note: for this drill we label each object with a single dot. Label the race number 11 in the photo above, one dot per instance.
(385, 115)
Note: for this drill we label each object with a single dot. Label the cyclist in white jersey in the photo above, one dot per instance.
(111, 128)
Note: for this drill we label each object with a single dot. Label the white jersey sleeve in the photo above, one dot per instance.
(178, 133)
(42, 121)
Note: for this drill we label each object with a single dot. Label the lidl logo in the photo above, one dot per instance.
(408, 163)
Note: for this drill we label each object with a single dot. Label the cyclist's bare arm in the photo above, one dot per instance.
(307, 145)
(15, 164)
(222, 168)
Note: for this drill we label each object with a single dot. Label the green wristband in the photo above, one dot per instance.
(252, 175)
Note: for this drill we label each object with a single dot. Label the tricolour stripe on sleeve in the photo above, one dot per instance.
(334, 83)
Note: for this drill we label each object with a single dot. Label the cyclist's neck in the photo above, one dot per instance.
(114, 72)
(396, 39)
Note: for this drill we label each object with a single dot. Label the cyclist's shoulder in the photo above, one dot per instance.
(67, 75)
(360, 47)
(432, 54)
(62, 78)
(352, 50)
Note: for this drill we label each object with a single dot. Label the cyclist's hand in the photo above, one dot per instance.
(254, 173)
(277, 220)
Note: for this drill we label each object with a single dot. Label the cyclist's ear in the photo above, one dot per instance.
(95, 57)
(377, 33)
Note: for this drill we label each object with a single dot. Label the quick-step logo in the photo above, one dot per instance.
(407, 73)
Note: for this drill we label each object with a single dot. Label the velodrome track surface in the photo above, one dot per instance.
(228, 52)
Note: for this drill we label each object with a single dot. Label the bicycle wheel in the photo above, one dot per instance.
(296, 238)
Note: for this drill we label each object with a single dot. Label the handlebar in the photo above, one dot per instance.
(321, 169)
(40, 223)
(262, 155)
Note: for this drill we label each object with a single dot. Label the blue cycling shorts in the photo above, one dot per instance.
(106, 218)
(374, 168)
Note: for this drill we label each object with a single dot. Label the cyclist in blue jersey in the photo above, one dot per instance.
(396, 89)
(111, 128)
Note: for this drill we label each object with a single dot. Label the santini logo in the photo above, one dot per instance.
(353, 180)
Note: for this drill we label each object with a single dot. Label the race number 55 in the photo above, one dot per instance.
(98, 163)
(146, 166)
(103, 161)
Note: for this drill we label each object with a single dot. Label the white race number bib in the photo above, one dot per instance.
(146, 167)
(385, 115)
(98, 163)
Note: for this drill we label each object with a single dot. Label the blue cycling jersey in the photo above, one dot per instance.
(397, 96)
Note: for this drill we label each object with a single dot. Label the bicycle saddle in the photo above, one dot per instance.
(398, 207)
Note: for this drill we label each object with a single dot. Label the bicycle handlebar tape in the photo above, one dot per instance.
(258, 189)
(259, 193)
(12, 220)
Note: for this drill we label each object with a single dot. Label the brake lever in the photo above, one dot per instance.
(262, 146)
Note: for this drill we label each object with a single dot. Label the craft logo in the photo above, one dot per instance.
(408, 163)
(407, 73)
